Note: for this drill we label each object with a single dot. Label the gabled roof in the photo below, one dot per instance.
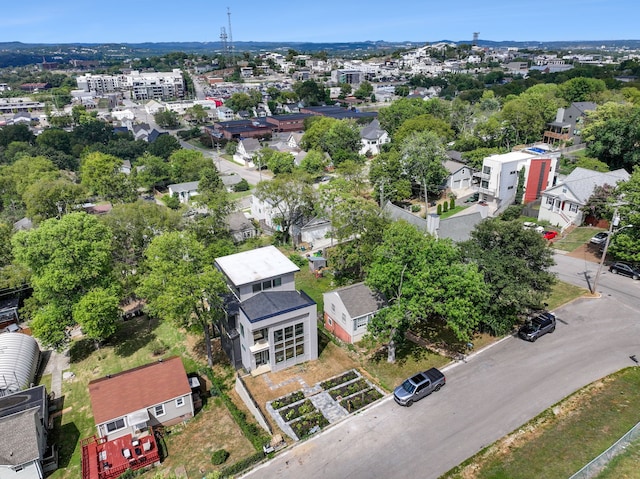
(21, 445)
(582, 182)
(250, 144)
(372, 131)
(273, 303)
(453, 166)
(237, 221)
(188, 186)
(140, 388)
(458, 228)
(359, 299)
(255, 265)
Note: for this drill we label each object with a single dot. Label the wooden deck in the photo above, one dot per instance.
(103, 459)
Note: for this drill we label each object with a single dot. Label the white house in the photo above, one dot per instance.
(245, 151)
(562, 204)
(372, 138)
(348, 310)
(497, 182)
(184, 191)
(268, 325)
(225, 113)
(460, 175)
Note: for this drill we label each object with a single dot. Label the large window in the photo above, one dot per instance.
(265, 285)
(289, 342)
(159, 410)
(115, 425)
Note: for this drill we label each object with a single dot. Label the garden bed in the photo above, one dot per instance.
(297, 410)
(361, 399)
(286, 400)
(343, 378)
(349, 389)
(309, 424)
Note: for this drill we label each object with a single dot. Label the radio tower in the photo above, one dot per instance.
(223, 40)
(230, 38)
(476, 35)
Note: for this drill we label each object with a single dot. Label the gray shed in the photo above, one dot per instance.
(19, 357)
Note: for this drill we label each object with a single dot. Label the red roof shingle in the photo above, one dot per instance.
(139, 388)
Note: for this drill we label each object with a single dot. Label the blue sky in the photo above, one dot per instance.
(134, 21)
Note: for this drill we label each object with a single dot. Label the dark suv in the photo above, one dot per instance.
(625, 269)
(539, 326)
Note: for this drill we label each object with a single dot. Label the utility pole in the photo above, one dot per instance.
(615, 220)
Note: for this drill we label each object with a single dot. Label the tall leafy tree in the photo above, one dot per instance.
(98, 313)
(424, 280)
(180, 286)
(101, 174)
(423, 155)
(67, 258)
(515, 264)
(626, 244)
(48, 198)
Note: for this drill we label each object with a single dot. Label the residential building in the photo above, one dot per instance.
(142, 85)
(348, 310)
(568, 123)
(184, 191)
(460, 175)
(268, 325)
(497, 182)
(373, 137)
(16, 105)
(562, 204)
(24, 420)
(240, 227)
(245, 151)
(130, 402)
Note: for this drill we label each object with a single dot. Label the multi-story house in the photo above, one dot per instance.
(268, 325)
(497, 181)
(568, 123)
(562, 204)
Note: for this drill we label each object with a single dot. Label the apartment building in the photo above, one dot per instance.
(142, 85)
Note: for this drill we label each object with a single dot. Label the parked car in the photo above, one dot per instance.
(549, 235)
(473, 198)
(626, 269)
(599, 238)
(533, 226)
(419, 386)
(538, 326)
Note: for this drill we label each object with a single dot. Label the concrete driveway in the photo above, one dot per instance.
(490, 395)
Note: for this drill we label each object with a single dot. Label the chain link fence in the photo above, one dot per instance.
(596, 466)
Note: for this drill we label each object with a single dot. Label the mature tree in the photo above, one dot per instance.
(310, 92)
(598, 205)
(581, 89)
(291, 200)
(167, 119)
(164, 146)
(123, 147)
(212, 194)
(88, 134)
(422, 123)
(345, 90)
(188, 165)
(626, 243)
(515, 264)
(316, 127)
(341, 141)
(133, 227)
(314, 163)
(19, 132)
(101, 174)
(353, 173)
(422, 156)
(424, 280)
(28, 170)
(615, 140)
(389, 178)
(240, 101)
(279, 162)
(48, 198)
(394, 115)
(98, 313)
(67, 258)
(364, 91)
(197, 113)
(154, 172)
(181, 286)
(55, 138)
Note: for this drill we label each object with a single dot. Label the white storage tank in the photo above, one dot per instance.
(19, 358)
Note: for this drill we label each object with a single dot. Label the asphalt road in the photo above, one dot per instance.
(493, 393)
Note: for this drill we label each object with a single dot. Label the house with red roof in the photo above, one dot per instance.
(132, 401)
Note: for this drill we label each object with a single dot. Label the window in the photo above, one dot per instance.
(241, 330)
(573, 207)
(510, 187)
(179, 402)
(549, 200)
(333, 307)
(277, 282)
(257, 288)
(266, 285)
(289, 342)
(159, 410)
(361, 322)
(486, 170)
(115, 425)
(344, 318)
(484, 184)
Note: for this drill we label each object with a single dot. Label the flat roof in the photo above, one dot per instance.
(255, 265)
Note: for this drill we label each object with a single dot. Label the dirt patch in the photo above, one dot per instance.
(588, 252)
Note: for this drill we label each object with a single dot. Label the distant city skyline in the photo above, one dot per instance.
(138, 21)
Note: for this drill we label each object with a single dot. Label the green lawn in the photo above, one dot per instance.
(565, 437)
(562, 293)
(624, 466)
(456, 209)
(132, 346)
(576, 238)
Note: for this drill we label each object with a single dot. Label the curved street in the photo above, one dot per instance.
(493, 393)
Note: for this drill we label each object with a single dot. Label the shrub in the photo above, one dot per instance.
(240, 466)
(452, 203)
(445, 207)
(513, 212)
(298, 260)
(219, 456)
(439, 209)
(415, 208)
(243, 185)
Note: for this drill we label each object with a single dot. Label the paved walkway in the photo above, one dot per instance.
(57, 363)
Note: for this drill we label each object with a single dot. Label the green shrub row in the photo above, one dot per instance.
(240, 466)
(251, 431)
